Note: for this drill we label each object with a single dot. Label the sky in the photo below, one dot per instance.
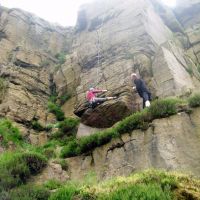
(63, 12)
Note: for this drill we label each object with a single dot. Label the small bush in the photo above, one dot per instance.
(29, 192)
(66, 193)
(16, 168)
(71, 149)
(194, 101)
(52, 184)
(68, 124)
(64, 98)
(67, 128)
(134, 121)
(9, 132)
(61, 57)
(164, 108)
(56, 110)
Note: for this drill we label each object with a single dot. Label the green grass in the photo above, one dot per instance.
(150, 184)
(164, 107)
(140, 191)
(56, 110)
(194, 101)
(16, 168)
(9, 133)
(147, 185)
(29, 192)
(66, 128)
(61, 57)
(68, 124)
(52, 184)
(66, 193)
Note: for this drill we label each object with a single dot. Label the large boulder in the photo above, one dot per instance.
(109, 112)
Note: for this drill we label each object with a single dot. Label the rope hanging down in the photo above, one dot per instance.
(99, 36)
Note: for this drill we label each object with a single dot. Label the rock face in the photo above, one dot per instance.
(171, 143)
(121, 37)
(111, 40)
(27, 57)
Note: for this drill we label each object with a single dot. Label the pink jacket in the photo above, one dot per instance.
(90, 95)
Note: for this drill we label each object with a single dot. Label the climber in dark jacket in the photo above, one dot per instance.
(141, 89)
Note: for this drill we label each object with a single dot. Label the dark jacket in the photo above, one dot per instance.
(141, 87)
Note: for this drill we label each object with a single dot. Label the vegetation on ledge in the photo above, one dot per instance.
(139, 120)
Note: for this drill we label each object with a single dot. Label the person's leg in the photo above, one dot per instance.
(146, 102)
(100, 100)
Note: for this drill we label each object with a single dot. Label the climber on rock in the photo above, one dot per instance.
(141, 89)
(93, 99)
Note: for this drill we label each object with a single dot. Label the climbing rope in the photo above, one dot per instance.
(99, 36)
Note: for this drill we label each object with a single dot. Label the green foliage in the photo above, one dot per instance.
(64, 98)
(71, 149)
(66, 193)
(61, 57)
(53, 98)
(29, 192)
(68, 124)
(52, 184)
(162, 178)
(9, 132)
(140, 191)
(16, 168)
(134, 121)
(148, 185)
(164, 107)
(56, 110)
(194, 101)
(84, 144)
(67, 128)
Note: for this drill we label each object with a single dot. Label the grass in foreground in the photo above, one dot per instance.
(148, 185)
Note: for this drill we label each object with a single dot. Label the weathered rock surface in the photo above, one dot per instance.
(27, 57)
(122, 37)
(171, 143)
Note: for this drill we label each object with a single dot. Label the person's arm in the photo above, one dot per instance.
(98, 91)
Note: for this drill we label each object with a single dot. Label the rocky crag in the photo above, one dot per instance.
(111, 40)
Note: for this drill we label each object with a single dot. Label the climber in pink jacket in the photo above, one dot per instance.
(92, 98)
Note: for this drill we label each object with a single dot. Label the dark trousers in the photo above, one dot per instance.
(146, 96)
(97, 101)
